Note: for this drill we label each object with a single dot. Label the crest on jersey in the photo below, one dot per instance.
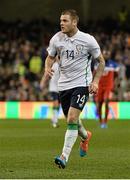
(79, 47)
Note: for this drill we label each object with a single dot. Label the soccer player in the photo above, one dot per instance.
(74, 49)
(53, 90)
(106, 85)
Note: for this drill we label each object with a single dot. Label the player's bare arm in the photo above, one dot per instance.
(93, 88)
(48, 66)
(48, 71)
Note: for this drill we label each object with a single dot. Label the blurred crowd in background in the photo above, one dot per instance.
(23, 52)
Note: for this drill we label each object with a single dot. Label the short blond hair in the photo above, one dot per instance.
(72, 13)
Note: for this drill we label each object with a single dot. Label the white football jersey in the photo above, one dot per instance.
(53, 83)
(75, 54)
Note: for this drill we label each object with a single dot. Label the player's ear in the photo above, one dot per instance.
(74, 21)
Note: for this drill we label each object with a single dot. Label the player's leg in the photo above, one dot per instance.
(55, 101)
(85, 137)
(55, 113)
(65, 99)
(106, 112)
(71, 132)
(70, 137)
(79, 99)
(106, 101)
(99, 111)
(82, 132)
(99, 102)
(75, 128)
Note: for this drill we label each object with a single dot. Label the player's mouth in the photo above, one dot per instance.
(62, 28)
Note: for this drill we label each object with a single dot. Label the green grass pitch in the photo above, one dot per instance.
(28, 148)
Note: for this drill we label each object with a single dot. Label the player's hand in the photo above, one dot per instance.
(93, 88)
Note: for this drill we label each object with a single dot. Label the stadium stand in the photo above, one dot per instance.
(23, 52)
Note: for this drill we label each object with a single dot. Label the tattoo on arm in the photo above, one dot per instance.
(100, 68)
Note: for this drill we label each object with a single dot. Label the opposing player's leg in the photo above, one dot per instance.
(106, 101)
(99, 99)
(99, 111)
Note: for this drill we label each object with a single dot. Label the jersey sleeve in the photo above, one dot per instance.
(52, 48)
(94, 48)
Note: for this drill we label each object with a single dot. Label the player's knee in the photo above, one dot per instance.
(72, 118)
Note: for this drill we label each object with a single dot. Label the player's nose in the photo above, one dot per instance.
(61, 23)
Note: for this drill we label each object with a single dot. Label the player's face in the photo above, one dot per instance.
(67, 24)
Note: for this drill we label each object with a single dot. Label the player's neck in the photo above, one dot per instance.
(72, 33)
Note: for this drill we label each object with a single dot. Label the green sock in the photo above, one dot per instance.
(72, 126)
